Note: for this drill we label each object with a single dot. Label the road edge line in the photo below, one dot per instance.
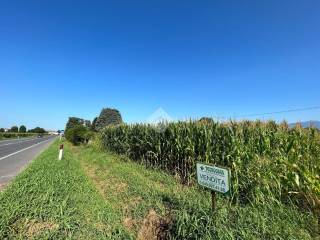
(11, 154)
(24, 140)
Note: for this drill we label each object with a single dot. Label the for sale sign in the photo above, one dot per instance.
(214, 178)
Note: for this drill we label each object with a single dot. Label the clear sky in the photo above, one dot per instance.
(191, 58)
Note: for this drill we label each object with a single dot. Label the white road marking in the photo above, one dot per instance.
(11, 154)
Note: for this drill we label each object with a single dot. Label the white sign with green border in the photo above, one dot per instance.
(214, 178)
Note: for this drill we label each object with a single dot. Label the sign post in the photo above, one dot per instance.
(213, 200)
(217, 179)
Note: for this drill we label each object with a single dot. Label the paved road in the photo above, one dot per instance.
(16, 154)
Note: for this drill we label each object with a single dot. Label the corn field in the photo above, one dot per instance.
(266, 159)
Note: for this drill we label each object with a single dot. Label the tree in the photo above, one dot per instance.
(206, 120)
(77, 134)
(14, 129)
(108, 116)
(74, 121)
(37, 130)
(22, 129)
(2, 130)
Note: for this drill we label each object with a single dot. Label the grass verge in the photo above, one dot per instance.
(55, 200)
(96, 195)
(153, 204)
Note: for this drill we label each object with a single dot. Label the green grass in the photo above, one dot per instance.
(54, 200)
(96, 195)
(186, 211)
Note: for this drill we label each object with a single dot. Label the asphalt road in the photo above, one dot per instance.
(16, 154)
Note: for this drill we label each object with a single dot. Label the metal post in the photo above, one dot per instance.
(213, 200)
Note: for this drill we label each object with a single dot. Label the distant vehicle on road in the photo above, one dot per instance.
(40, 135)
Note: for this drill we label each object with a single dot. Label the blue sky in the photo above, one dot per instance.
(191, 58)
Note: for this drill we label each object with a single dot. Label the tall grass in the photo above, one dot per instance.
(267, 160)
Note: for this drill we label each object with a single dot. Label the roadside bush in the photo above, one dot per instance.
(15, 135)
(78, 134)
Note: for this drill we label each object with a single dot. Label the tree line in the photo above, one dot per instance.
(79, 130)
(23, 129)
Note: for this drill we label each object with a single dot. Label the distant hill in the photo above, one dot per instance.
(307, 124)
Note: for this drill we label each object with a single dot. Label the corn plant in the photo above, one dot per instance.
(267, 160)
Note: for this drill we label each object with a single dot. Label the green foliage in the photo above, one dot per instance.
(57, 200)
(108, 117)
(14, 129)
(206, 120)
(185, 212)
(54, 199)
(15, 135)
(22, 129)
(269, 162)
(74, 121)
(77, 134)
(37, 130)
(93, 125)
(1, 129)
(87, 124)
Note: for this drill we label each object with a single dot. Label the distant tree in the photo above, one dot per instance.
(108, 116)
(206, 120)
(37, 130)
(14, 129)
(22, 129)
(2, 130)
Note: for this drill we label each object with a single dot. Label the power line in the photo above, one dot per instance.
(271, 113)
(278, 112)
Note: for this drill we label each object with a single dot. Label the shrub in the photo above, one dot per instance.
(15, 135)
(78, 134)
